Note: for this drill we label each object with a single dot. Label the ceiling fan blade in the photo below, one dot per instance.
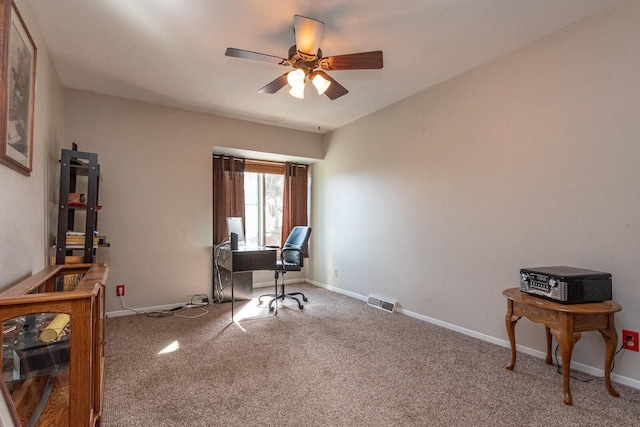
(308, 34)
(354, 61)
(247, 54)
(275, 85)
(335, 90)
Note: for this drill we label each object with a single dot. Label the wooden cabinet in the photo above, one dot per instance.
(53, 347)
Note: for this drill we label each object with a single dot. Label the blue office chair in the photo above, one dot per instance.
(291, 259)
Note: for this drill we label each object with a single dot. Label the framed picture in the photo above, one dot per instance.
(17, 81)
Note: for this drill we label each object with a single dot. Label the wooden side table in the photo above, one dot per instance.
(565, 322)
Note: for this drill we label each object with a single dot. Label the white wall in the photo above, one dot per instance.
(25, 201)
(156, 189)
(529, 160)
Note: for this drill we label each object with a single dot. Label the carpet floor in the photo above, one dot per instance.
(337, 362)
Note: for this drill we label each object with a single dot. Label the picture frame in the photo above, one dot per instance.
(18, 54)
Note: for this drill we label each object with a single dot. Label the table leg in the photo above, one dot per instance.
(510, 321)
(548, 360)
(610, 337)
(566, 340)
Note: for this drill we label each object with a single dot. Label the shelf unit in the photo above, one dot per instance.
(54, 380)
(74, 163)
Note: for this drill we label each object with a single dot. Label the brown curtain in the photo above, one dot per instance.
(294, 199)
(228, 193)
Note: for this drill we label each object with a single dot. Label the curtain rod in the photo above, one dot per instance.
(265, 162)
(272, 162)
(225, 156)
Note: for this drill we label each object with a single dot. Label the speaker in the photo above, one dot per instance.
(234, 241)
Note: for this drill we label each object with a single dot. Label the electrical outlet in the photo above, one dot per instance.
(335, 272)
(119, 290)
(630, 340)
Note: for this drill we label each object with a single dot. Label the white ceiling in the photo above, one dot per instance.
(171, 52)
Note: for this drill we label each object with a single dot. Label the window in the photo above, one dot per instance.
(263, 189)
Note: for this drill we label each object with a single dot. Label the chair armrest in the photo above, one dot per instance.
(291, 249)
(301, 252)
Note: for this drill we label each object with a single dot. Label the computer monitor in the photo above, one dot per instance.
(234, 225)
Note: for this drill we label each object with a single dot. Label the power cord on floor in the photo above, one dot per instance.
(204, 301)
(173, 311)
(203, 312)
(559, 366)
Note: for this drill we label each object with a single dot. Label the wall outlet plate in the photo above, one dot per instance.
(630, 344)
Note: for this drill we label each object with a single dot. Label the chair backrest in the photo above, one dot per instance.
(297, 239)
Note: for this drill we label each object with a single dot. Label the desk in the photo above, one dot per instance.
(565, 322)
(243, 260)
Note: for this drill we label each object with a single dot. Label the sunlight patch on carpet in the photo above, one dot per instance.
(252, 310)
(170, 348)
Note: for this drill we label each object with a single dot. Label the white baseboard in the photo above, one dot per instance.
(336, 290)
(493, 340)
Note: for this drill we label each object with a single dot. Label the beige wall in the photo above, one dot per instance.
(529, 160)
(156, 189)
(26, 202)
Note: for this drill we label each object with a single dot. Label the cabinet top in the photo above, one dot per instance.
(94, 274)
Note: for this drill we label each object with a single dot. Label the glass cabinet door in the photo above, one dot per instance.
(35, 367)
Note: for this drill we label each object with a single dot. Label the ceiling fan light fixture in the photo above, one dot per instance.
(295, 78)
(320, 83)
(308, 33)
(297, 91)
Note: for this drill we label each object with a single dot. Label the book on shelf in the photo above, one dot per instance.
(77, 238)
(70, 259)
(79, 233)
(81, 241)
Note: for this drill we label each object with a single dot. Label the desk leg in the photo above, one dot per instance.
(610, 337)
(566, 340)
(232, 296)
(510, 321)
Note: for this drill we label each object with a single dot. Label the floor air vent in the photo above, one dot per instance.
(378, 302)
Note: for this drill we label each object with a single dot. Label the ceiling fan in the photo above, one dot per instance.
(309, 64)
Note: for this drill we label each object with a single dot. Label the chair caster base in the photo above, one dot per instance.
(282, 297)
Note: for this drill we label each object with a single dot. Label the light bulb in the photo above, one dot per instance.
(296, 78)
(321, 84)
(297, 91)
